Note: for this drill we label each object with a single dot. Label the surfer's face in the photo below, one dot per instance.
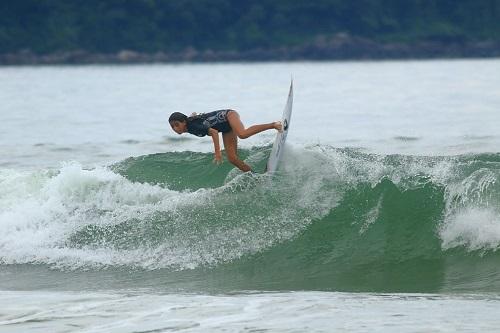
(179, 127)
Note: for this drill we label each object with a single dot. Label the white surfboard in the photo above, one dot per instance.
(279, 143)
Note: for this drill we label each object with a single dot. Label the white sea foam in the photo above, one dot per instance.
(472, 217)
(44, 220)
(473, 228)
(39, 216)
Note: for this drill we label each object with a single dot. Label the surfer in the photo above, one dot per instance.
(225, 121)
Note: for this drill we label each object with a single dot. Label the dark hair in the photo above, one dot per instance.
(177, 116)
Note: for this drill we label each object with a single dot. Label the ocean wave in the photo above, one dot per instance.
(331, 215)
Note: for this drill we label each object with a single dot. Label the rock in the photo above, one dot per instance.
(340, 46)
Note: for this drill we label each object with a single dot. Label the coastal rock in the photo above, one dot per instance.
(340, 46)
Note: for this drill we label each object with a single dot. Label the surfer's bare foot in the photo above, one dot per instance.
(278, 126)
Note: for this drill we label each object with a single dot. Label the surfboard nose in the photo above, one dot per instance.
(279, 142)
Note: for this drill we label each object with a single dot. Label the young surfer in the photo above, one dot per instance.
(225, 121)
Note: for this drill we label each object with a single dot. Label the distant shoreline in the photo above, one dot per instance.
(338, 47)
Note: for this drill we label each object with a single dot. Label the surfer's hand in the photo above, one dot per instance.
(278, 126)
(218, 158)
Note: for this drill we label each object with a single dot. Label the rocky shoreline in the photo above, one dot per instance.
(338, 47)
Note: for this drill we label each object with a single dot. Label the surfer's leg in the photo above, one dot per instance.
(231, 146)
(241, 132)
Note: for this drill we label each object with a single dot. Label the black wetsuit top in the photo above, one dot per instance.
(199, 124)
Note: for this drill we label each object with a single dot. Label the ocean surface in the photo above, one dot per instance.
(384, 215)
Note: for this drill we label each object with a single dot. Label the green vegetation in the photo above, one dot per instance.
(107, 26)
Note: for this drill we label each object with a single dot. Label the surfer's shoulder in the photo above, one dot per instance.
(195, 116)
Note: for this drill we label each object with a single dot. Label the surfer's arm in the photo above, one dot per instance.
(215, 138)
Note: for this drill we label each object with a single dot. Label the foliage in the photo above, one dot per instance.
(172, 25)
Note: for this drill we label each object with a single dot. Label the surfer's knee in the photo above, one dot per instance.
(243, 135)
